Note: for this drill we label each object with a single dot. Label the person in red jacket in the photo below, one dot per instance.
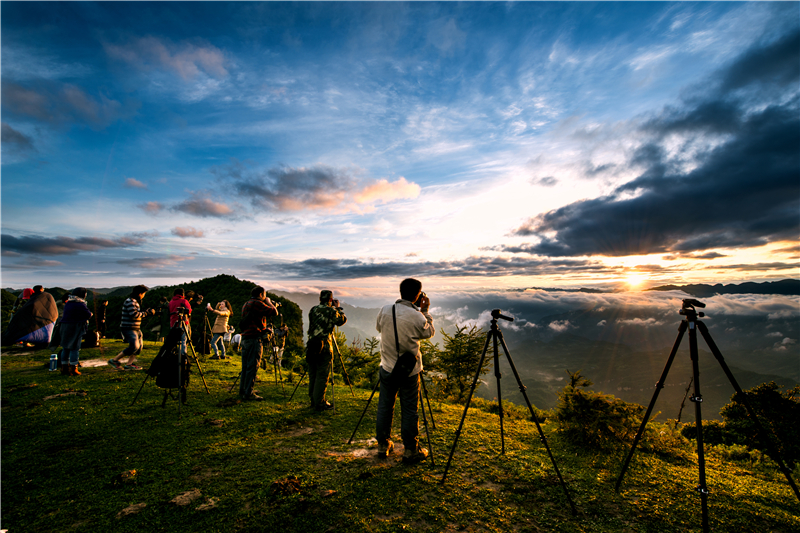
(178, 301)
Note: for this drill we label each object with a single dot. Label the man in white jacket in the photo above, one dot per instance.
(412, 324)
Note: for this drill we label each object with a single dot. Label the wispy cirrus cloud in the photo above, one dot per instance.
(154, 262)
(185, 59)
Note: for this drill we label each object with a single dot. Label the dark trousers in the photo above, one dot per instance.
(408, 390)
(251, 358)
(320, 360)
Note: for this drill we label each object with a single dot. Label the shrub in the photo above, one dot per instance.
(593, 419)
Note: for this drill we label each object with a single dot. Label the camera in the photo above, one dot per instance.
(496, 313)
(181, 311)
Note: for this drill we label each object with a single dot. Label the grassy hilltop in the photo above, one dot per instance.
(88, 460)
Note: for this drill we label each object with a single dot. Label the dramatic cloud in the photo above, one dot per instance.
(339, 269)
(187, 231)
(740, 189)
(133, 183)
(200, 206)
(64, 245)
(15, 141)
(186, 60)
(316, 188)
(63, 103)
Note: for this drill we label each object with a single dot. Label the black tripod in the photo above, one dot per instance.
(691, 322)
(423, 398)
(494, 334)
(162, 362)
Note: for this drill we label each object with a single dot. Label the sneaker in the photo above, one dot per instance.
(132, 367)
(114, 363)
(324, 406)
(254, 397)
(385, 449)
(414, 456)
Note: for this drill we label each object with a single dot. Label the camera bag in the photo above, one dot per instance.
(406, 362)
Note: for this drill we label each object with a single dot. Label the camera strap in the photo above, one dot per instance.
(396, 339)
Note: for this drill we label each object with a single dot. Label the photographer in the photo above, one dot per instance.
(402, 325)
(179, 309)
(220, 328)
(322, 319)
(131, 328)
(253, 324)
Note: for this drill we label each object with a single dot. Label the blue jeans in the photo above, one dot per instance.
(134, 339)
(409, 404)
(69, 357)
(251, 358)
(217, 338)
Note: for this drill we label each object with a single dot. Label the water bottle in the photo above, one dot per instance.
(53, 362)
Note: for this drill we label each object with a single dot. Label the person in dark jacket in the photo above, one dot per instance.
(73, 328)
(101, 318)
(131, 328)
(255, 313)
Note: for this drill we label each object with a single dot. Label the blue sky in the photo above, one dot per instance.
(477, 145)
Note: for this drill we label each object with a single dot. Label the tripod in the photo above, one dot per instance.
(162, 359)
(423, 391)
(688, 310)
(494, 334)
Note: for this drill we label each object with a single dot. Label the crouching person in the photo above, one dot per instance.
(322, 319)
(402, 325)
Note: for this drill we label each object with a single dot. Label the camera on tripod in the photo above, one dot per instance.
(181, 311)
(688, 307)
(496, 313)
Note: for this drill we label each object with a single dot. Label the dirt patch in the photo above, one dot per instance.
(300, 431)
(202, 475)
(131, 509)
(186, 498)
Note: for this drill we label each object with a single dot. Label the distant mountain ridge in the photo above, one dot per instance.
(786, 287)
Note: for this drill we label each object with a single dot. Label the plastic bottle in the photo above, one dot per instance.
(53, 362)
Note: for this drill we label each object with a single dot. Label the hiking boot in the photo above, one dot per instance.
(414, 456)
(116, 364)
(65, 370)
(324, 406)
(73, 370)
(385, 449)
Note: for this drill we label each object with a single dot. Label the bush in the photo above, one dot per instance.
(593, 419)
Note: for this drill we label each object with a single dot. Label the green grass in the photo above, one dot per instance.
(63, 461)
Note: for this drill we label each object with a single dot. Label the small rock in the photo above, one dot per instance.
(132, 509)
(211, 503)
(186, 498)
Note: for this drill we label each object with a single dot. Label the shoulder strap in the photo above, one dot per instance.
(396, 339)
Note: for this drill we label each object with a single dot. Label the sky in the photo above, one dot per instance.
(475, 146)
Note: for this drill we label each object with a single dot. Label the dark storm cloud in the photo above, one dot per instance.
(287, 188)
(64, 245)
(15, 141)
(341, 269)
(743, 192)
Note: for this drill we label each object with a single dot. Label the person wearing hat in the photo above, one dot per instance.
(131, 328)
(322, 319)
(73, 328)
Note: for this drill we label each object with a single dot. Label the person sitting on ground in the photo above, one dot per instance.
(22, 300)
(131, 328)
(73, 328)
(322, 319)
(220, 328)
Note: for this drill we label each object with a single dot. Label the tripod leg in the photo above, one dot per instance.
(697, 398)
(428, 400)
(760, 428)
(344, 370)
(333, 386)
(235, 381)
(466, 407)
(140, 390)
(659, 386)
(498, 375)
(420, 401)
(365, 409)
(536, 421)
(196, 362)
(298, 385)
(164, 401)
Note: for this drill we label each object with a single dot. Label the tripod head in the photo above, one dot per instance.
(496, 313)
(688, 309)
